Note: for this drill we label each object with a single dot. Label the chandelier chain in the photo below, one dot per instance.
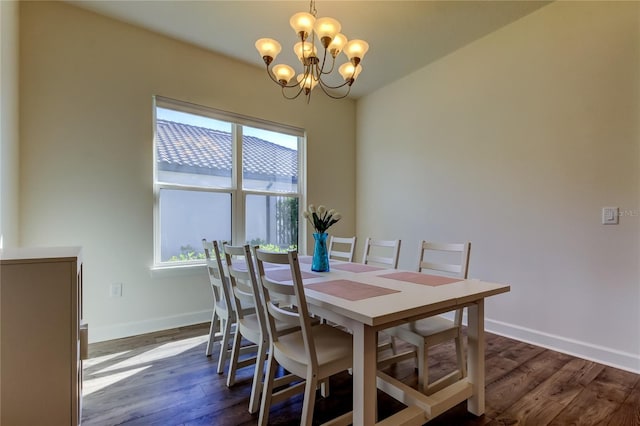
(312, 8)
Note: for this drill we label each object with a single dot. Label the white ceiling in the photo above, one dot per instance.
(403, 35)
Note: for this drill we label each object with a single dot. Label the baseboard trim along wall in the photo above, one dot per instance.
(128, 329)
(607, 356)
(600, 354)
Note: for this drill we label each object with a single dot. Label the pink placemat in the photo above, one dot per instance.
(305, 259)
(419, 278)
(284, 274)
(355, 267)
(350, 290)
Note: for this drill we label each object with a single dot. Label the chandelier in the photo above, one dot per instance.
(315, 72)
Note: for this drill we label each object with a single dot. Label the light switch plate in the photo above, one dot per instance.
(610, 215)
(115, 290)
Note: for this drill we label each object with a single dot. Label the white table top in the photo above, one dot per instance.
(412, 300)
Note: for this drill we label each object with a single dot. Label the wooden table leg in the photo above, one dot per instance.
(364, 375)
(475, 356)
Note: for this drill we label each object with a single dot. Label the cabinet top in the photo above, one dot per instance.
(11, 255)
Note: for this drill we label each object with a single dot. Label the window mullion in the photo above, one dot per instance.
(302, 193)
(239, 199)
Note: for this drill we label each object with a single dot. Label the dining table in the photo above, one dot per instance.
(367, 299)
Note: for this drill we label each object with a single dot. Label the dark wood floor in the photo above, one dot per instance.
(165, 379)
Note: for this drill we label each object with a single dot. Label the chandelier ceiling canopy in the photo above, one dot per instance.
(312, 31)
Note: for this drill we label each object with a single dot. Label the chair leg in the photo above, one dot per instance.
(215, 326)
(423, 367)
(394, 348)
(224, 344)
(462, 362)
(309, 401)
(267, 391)
(233, 362)
(256, 388)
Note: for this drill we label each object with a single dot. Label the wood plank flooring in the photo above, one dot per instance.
(164, 378)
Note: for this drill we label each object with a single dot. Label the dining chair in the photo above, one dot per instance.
(250, 316)
(345, 250)
(375, 250)
(384, 253)
(428, 332)
(313, 353)
(223, 316)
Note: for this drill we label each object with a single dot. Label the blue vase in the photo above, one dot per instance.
(320, 261)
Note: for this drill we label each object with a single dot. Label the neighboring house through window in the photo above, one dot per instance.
(222, 176)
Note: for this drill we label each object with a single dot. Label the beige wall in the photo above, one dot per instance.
(515, 142)
(86, 152)
(9, 167)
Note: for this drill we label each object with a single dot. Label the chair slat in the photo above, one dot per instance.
(390, 246)
(346, 255)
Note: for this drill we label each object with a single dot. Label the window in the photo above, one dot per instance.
(222, 176)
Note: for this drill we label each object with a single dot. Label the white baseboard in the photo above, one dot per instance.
(117, 331)
(611, 357)
(600, 354)
(603, 355)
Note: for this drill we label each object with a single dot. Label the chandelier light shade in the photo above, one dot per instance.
(315, 35)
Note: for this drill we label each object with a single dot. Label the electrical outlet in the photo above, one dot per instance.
(115, 290)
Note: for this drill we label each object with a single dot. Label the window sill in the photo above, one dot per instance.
(166, 271)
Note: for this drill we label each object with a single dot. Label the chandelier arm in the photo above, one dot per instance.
(308, 71)
(301, 88)
(332, 96)
(333, 64)
(317, 74)
(323, 84)
(284, 94)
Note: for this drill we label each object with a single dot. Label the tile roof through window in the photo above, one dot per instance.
(185, 148)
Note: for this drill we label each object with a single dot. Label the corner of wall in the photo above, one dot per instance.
(9, 101)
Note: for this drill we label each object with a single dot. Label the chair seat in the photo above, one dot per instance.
(429, 326)
(433, 330)
(332, 346)
(250, 322)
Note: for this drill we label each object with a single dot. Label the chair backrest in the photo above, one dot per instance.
(274, 292)
(373, 247)
(438, 257)
(348, 246)
(217, 277)
(245, 295)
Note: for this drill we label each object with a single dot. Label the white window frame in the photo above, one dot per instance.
(238, 194)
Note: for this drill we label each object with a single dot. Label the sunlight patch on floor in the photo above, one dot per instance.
(165, 350)
(88, 363)
(92, 385)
